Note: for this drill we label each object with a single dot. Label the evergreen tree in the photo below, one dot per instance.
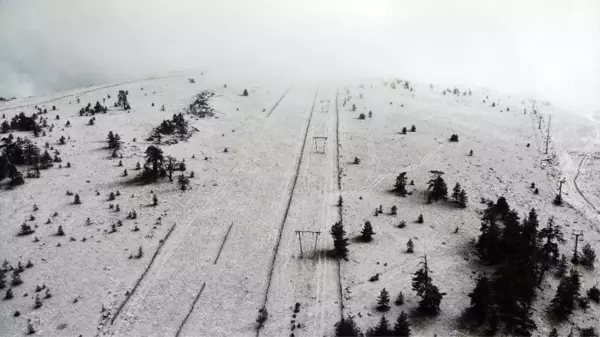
(381, 330)
(588, 257)
(245, 93)
(25, 230)
(154, 161)
(9, 294)
(593, 293)
(38, 302)
(30, 329)
(154, 200)
(402, 326)
(77, 200)
(502, 207)
(400, 185)
(367, 231)
(567, 294)
(399, 299)
(2, 279)
(31, 152)
(413, 128)
(340, 242)
(46, 160)
(456, 193)
(550, 236)
(16, 278)
(588, 332)
(420, 219)
(438, 187)
(183, 182)
(462, 199)
(429, 293)
(394, 210)
(347, 328)
(60, 231)
(410, 247)
(383, 300)
(483, 307)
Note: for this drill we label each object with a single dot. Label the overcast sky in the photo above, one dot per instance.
(548, 48)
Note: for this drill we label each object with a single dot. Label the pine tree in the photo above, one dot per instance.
(367, 232)
(593, 294)
(154, 200)
(402, 326)
(420, 219)
(183, 182)
(588, 257)
(404, 130)
(567, 294)
(38, 302)
(31, 152)
(2, 279)
(588, 332)
(394, 210)
(245, 93)
(381, 330)
(30, 329)
(340, 242)
(413, 128)
(550, 236)
(77, 200)
(483, 306)
(489, 244)
(383, 300)
(60, 231)
(399, 299)
(9, 294)
(400, 185)
(456, 193)
(438, 187)
(410, 247)
(429, 293)
(154, 161)
(25, 230)
(462, 199)
(347, 328)
(16, 278)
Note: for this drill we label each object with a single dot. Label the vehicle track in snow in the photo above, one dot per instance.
(277, 103)
(287, 209)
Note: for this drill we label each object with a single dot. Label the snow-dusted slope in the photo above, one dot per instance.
(232, 245)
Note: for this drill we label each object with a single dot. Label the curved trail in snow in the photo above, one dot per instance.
(585, 158)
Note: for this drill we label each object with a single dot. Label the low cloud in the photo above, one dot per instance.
(544, 48)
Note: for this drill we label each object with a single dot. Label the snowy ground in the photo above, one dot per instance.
(270, 183)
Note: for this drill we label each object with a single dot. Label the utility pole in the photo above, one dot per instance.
(576, 234)
(560, 188)
(548, 133)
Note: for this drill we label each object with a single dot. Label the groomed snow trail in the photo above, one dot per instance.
(251, 195)
(311, 281)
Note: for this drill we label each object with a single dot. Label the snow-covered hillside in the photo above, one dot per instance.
(216, 253)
